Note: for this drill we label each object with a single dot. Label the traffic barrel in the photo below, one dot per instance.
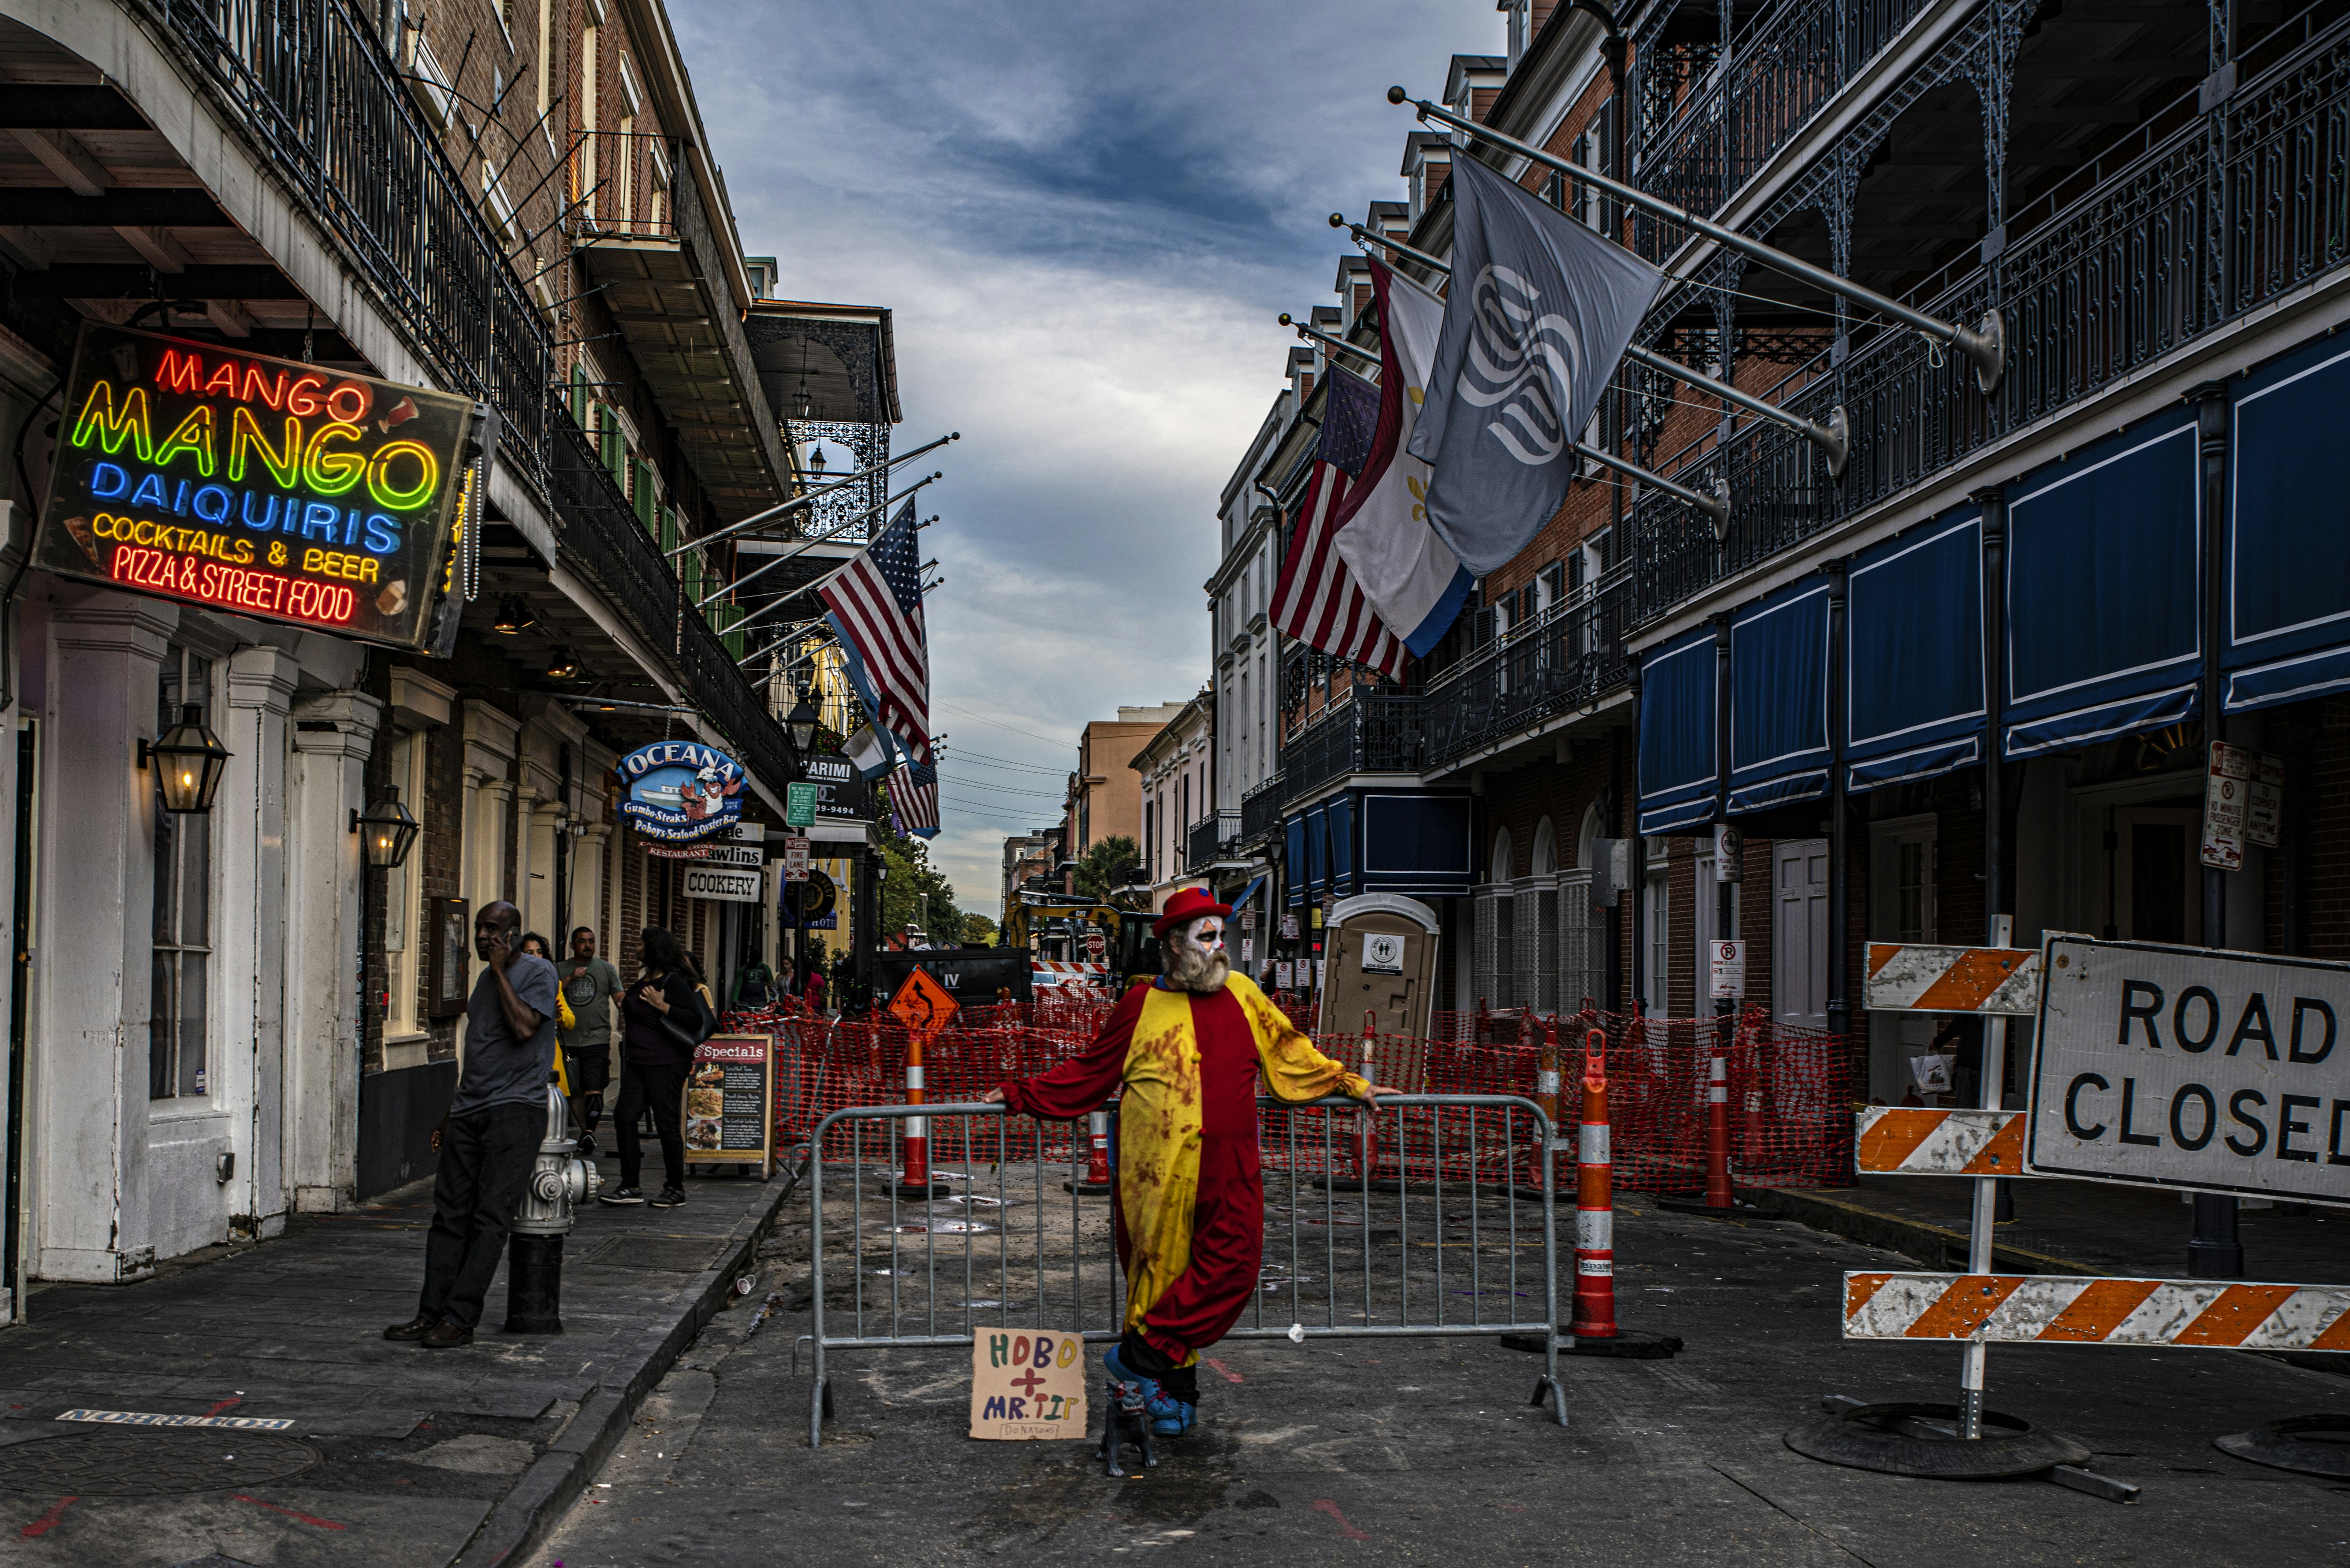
(1096, 1179)
(914, 1180)
(1546, 1096)
(1594, 1195)
(1717, 1131)
(1367, 1127)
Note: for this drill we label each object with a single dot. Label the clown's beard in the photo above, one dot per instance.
(1200, 970)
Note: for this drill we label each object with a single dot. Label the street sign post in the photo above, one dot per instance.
(1727, 962)
(2244, 793)
(2214, 1072)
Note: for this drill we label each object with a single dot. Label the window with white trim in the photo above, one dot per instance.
(178, 1009)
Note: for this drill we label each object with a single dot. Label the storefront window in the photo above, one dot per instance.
(175, 1049)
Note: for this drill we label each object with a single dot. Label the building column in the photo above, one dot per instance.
(543, 845)
(251, 939)
(326, 782)
(86, 1101)
(588, 886)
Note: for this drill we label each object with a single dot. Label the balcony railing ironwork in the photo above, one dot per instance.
(1205, 841)
(620, 186)
(1565, 658)
(1368, 734)
(1261, 809)
(320, 95)
(2233, 209)
(322, 100)
(1715, 135)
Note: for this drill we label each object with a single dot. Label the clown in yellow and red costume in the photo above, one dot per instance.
(1185, 1053)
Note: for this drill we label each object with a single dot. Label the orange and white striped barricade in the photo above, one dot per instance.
(2058, 1309)
(2000, 982)
(1912, 1140)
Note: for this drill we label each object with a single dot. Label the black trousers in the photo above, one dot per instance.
(661, 1090)
(485, 1164)
(590, 1071)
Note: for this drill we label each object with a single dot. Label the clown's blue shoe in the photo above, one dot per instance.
(1160, 1405)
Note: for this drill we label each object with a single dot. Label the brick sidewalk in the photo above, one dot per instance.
(494, 1435)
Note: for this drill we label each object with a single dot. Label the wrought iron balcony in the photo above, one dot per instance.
(601, 535)
(323, 103)
(1261, 809)
(1368, 734)
(1707, 131)
(2204, 217)
(1206, 841)
(621, 181)
(1565, 658)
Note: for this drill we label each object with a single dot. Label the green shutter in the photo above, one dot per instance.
(645, 507)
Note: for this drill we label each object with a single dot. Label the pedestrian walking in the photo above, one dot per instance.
(754, 987)
(489, 1140)
(1187, 1205)
(589, 986)
(814, 994)
(665, 1016)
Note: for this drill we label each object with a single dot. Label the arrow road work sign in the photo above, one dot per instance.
(2171, 1066)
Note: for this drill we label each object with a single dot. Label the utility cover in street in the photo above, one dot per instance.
(2169, 1067)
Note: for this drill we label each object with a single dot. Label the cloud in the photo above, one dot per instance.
(1085, 218)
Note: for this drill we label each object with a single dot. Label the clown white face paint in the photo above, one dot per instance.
(1194, 956)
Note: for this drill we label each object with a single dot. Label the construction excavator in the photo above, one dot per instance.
(1059, 927)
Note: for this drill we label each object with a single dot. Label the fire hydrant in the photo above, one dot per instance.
(560, 1182)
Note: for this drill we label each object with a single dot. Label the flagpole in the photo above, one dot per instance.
(1833, 438)
(798, 500)
(815, 586)
(1306, 331)
(834, 533)
(1716, 506)
(1393, 247)
(1985, 345)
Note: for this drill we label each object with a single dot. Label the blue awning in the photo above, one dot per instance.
(2288, 556)
(1418, 844)
(1677, 735)
(1779, 698)
(1317, 851)
(1913, 665)
(2103, 573)
(1293, 834)
(1338, 818)
(1249, 892)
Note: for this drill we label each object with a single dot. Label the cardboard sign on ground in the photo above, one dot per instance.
(1028, 1385)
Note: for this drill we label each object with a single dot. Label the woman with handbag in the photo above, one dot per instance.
(666, 1019)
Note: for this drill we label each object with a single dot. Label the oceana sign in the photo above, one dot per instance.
(682, 791)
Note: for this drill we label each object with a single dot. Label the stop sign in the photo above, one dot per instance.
(1094, 945)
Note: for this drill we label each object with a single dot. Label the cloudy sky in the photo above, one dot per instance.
(1085, 217)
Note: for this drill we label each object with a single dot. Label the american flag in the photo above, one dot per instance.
(876, 610)
(914, 798)
(1317, 600)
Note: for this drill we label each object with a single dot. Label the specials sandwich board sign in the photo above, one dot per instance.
(2187, 1067)
(267, 487)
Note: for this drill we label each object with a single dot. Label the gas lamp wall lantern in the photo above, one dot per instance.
(390, 831)
(189, 760)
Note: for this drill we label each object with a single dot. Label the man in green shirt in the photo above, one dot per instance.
(589, 986)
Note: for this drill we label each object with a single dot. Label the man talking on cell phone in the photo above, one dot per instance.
(490, 1141)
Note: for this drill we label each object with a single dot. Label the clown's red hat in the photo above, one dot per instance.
(1188, 904)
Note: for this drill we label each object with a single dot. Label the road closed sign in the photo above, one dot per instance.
(2168, 1066)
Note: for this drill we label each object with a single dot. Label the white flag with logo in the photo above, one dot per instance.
(1540, 313)
(1410, 576)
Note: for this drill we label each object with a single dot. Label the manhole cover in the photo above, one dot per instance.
(140, 1464)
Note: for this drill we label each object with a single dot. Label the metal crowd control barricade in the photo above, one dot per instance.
(1435, 1239)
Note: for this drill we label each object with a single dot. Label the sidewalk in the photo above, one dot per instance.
(2066, 1228)
(396, 1454)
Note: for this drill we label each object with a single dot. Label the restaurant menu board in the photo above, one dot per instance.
(730, 1102)
(268, 487)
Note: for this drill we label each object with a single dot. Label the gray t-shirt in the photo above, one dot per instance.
(589, 990)
(500, 1070)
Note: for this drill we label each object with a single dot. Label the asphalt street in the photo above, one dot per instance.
(1426, 1451)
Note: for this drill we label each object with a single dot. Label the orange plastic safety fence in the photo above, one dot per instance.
(1790, 1098)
